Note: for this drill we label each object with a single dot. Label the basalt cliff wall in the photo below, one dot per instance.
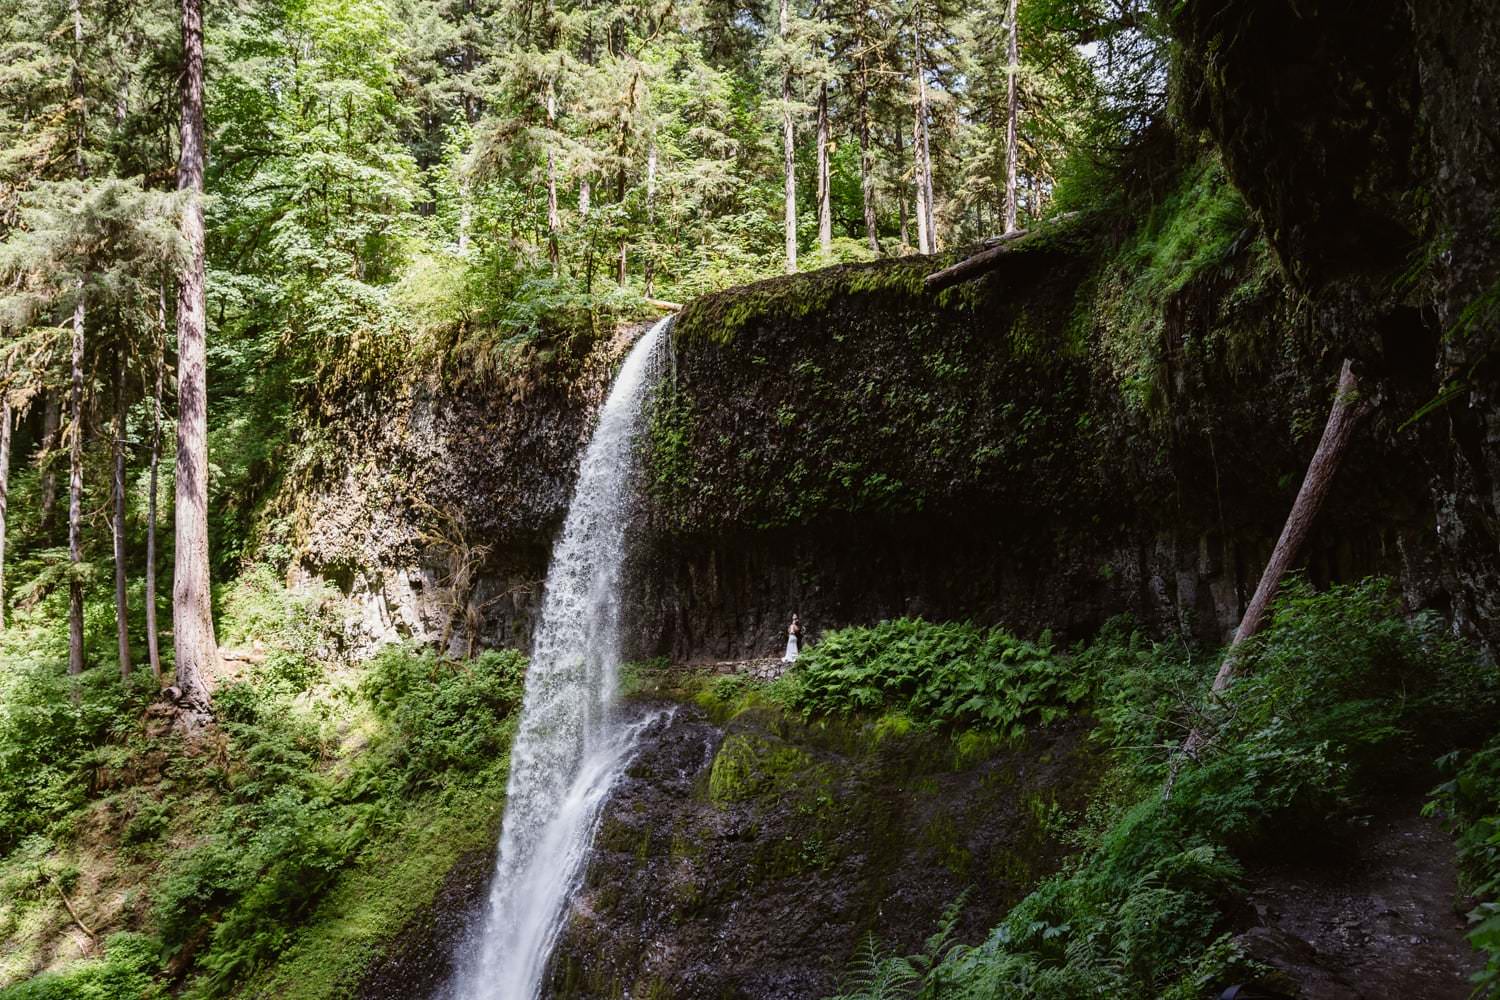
(1111, 421)
(1114, 420)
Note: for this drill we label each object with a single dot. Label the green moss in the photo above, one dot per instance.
(851, 392)
(970, 746)
(893, 724)
(942, 837)
(393, 882)
(719, 318)
(751, 764)
(1199, 239)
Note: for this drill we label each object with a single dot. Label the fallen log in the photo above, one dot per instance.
(664, 304)
(996, 248)
(1348, 409)
(71, 912)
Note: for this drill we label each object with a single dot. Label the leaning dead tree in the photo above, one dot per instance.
(1348, 410)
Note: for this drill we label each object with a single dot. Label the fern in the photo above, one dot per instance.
(875, 975)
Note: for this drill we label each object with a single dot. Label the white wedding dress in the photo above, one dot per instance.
(791, 648)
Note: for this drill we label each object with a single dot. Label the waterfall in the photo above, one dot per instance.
(571, 746)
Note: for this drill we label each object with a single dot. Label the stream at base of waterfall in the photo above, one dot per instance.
(572, 744)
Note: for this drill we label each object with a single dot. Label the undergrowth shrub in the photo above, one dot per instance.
(443, 715)
(294, 814)
(1338, 690)
(952, 673)
(127, 970)
(50, 741)
(1470, 801)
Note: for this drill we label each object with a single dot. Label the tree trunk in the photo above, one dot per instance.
(867, 165)
(197, 651)
(923, 244)
(585, 200)
(465, 215)
(153, 648)
(75, 493)
(901, 201)
(81, 115)
(650, 265)
(4, 480)
(554, 223)
(788, 162)
(51, 432)
(825, 196)
(622, 151)
(75, 395)
(1012, 110)
(122, 608)
(928, 201)
(972, 267)
(1344, 416)
(921, 151)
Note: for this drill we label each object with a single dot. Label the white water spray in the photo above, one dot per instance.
(570, 748)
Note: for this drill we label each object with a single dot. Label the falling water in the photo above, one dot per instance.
(570, 747)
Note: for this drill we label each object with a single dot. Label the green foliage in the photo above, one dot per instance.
(1470, 801)
(1336, 687)
(942, 674)
(444, 716)
(1196, 236)
(128, 969)
(875, 975)
(54, 730)
(289, 826)
(289, 627)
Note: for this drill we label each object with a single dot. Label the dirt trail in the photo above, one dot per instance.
(1374, 917)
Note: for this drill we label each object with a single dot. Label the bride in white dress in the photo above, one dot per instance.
(793, 640)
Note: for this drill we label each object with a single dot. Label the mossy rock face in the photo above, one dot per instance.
(1104, 423)
(750, 859)
(1361, 150)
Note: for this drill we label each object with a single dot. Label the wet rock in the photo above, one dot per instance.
(1368, 913)
(760, 883)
